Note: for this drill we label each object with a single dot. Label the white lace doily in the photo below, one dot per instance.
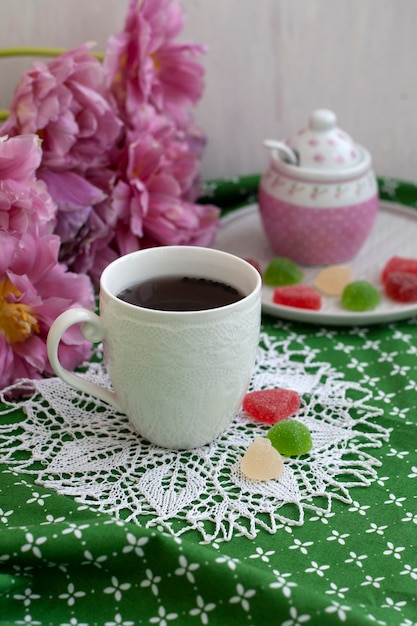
(81, 447)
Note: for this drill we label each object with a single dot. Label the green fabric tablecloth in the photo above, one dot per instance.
(356, 563)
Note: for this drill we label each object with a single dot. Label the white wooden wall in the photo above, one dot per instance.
(270, 62)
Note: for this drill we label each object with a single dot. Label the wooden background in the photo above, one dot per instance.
(269, 64)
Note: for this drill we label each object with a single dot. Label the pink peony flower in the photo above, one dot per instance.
(25, 203)
(34, 290)
(66, 104)
(179, 223)
(144, 64)
(150, 198)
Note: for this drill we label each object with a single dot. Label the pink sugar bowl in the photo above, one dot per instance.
(318, 198)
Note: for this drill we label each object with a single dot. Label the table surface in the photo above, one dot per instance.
(353, 561)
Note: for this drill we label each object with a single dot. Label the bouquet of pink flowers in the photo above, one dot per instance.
(97, 159)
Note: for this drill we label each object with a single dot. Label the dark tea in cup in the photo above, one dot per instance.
(180, 293)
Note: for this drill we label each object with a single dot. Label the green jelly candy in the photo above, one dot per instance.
(360, 296)
(290, 437)
(281, 272)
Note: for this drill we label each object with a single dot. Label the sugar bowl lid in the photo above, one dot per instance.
(320, 146)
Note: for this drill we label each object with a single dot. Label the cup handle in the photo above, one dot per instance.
(93, 331)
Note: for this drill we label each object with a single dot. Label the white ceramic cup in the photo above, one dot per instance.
(180, 376)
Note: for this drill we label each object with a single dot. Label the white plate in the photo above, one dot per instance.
(394, 234)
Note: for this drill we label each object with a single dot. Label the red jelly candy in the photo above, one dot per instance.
(299, 296)
(401, 286)
(271, 405)
(399, 264)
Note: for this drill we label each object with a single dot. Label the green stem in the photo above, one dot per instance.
(4, 114)
(40, 52)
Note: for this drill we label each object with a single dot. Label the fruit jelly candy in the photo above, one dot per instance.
(262, 461)
(299, 296)
(360, 295)
(399, 264)
(401, 286)
(290, 437)
(282, 271)
(271, 405)
(333, 279)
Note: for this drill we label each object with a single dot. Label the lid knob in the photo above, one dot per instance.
(322, 120)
